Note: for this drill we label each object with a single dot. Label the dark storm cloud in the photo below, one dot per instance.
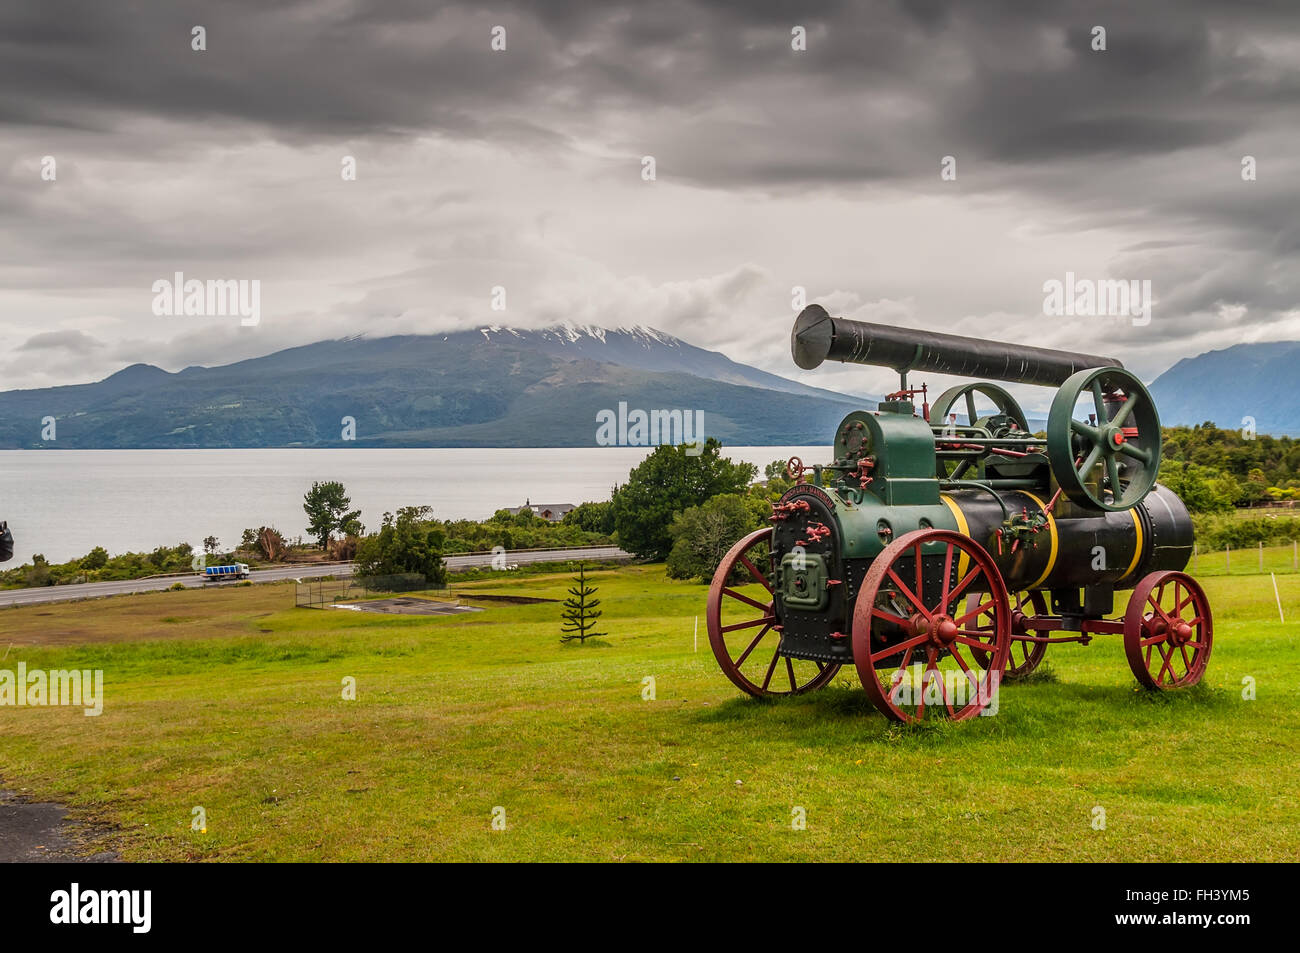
(1137, 146)
(1002, 81)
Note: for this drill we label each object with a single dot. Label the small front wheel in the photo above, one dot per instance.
(1168, 631)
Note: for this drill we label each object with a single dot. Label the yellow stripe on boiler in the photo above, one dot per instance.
(1051, 528)
(1137, 549)
(962, 560)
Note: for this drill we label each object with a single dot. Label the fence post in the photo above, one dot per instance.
(1261, 555)
(1295, 564)
(1196, 557)
(1227, 555)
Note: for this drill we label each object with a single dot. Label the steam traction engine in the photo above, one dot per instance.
(943, 551)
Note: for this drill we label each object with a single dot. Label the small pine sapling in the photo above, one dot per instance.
(580, 612)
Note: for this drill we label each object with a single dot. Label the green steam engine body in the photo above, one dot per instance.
(940, 555)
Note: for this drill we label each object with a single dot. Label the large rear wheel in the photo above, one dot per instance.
(911, 621)
(743, 627)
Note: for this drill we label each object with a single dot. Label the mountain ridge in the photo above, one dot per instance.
(1252, 379)
(489, 386)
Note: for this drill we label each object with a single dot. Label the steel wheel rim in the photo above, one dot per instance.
(1168, 631)
(756, 639)
(878, 600)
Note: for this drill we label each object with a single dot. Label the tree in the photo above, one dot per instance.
(410, 542)
(326, 505)
(97, 558)
(703, 534)
(580, 612)
(270, 543)
(210, 544)
(592, 517)
(1255, 488)
(665, 483)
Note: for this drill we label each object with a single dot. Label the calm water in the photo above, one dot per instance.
(62, 503)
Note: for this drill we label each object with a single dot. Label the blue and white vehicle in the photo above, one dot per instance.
(222, 573)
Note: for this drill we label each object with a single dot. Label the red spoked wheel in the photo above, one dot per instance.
(907, 621)
(741, 607)
(1024, 654)
(1168, 630)
(794, 469)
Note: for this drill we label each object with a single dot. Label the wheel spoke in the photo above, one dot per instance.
(789, 668)
(769, 619)
(888, 616)
(1137, 453)
(1154, 600)
(919, 584)
(909, 644)
(1091, 460)
(947, 573)
(970, 406)
(767, 679)
(763, 606)
(1099, 401)
(907, 593)
(1092, 433)
(1168, 657)
(975, 613)
(925, 674)
(961, 663)
(1112, 471)
(943, 692)
(965, 581)
(755, 573)
(758, 638)
(1125, 409)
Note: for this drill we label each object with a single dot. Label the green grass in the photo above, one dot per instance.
(231, 700)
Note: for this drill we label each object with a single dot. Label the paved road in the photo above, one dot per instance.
(34, 833)
(95, 590)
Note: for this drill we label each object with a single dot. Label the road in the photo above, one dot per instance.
(96, 590)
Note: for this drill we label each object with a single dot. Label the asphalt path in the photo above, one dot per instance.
(97, 590)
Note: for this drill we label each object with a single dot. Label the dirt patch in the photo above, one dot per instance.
(406, 606)
(37, 832)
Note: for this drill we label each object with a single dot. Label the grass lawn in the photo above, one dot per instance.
(232, 700)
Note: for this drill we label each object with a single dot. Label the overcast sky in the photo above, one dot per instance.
(523, 168)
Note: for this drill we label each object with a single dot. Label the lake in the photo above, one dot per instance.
(63, 503)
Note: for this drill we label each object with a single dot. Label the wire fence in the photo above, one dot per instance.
(1247, 560)
(318, 593)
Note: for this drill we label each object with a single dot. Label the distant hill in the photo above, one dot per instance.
(492, 387)
(1245, 380)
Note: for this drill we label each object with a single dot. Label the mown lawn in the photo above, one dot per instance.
(231, 700)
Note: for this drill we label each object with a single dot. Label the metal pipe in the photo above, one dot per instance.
(817, 336)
